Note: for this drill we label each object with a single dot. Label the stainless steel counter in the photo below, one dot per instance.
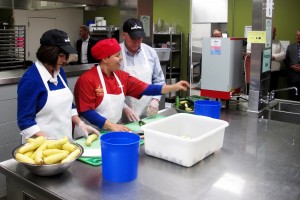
(260, 160)
(13, 76)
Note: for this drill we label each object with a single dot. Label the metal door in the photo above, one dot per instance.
(36, 27)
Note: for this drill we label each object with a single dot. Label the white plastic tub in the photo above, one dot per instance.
(163, 53)
(184, 138)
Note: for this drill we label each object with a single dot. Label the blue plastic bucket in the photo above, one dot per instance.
(120, 155)
(207, 108)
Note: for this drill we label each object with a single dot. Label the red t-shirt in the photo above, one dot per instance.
(89, 91)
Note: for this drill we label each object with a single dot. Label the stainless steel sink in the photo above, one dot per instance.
(284, 116)
(285, 111)
(288, 107)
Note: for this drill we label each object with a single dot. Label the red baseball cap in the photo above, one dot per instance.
(105, 48)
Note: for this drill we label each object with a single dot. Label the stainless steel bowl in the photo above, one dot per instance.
(47, 170)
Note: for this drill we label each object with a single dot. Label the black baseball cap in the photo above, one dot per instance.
(55, 37)
(134, 27)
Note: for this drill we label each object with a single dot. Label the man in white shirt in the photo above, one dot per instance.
(84, 45)
(216, 33)
(142, 62)
(278, 55)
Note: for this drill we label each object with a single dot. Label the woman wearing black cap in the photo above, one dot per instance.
(45, 105)
(100, 92)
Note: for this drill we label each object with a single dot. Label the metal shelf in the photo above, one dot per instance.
(12, 47)
(103, 32)
(174, 42)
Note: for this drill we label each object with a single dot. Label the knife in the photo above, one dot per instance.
(141, 123)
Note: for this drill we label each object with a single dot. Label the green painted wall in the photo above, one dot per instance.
(239, 16)
(177, 11)
(285, 18)
(170, 11)
(110, 14)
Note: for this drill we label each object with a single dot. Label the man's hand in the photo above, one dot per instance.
(152, 108)
(296, 67)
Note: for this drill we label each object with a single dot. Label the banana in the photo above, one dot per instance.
(90, 139)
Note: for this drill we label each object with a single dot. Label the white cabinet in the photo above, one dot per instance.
(212, 11)
(222, 65)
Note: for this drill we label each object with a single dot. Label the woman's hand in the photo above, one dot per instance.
(120, 127)
(181, 85)
(115, 127)
(40, 133)
(86, 129)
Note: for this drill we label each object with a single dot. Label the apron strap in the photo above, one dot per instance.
(103, 82)
(124, 55)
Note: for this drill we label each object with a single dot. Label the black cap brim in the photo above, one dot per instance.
(137, 34)
(69, 49)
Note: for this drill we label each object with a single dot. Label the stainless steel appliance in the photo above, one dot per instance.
(103, 32)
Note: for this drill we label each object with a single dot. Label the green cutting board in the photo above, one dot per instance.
(135, 127)
(95, 161)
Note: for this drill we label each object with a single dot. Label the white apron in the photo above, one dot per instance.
(55, 118)
(112, 104)
(143, 72)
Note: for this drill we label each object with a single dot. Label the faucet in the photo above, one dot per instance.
(282, 89)
(266, 99)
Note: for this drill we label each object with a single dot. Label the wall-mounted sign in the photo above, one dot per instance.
(268, 33)
(269, 8)
(215, 46)
(146, 24)
(256, 37)
(266, 60)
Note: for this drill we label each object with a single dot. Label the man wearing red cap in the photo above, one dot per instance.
(142, 62)
(100, 92)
